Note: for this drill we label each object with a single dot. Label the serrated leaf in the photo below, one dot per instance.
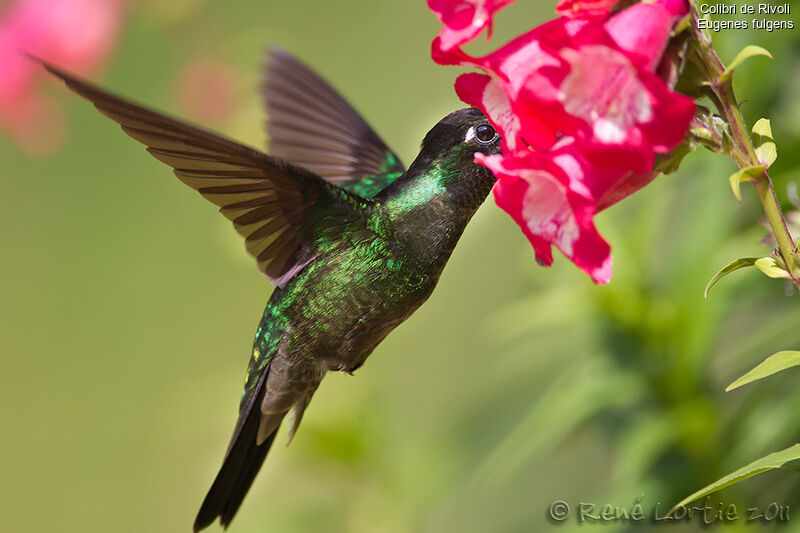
(788, 458)
(771, 365)
(771, 268)
(766, 150)
(743, 174)
(727, 269)
(746, 53)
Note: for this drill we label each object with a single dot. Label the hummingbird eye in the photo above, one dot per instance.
(483, 133)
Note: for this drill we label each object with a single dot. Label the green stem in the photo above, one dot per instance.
(742, 150)
(787, 246)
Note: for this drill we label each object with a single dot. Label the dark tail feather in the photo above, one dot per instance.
(241, 464)
(250, 467)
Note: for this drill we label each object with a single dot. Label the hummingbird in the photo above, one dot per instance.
(353, 242)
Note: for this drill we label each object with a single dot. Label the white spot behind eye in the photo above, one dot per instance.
(470, 136)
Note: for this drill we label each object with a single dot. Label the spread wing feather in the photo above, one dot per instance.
(313, 126)
(272, 204)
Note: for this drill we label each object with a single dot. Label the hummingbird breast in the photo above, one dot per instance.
(348, 303)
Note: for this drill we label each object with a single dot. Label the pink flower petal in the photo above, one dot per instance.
(464, 19)
(605, 185)
(603, 88)
(537, 194)
(585, 8)
(644, 29)
(486, 93)
(674, 112)
(527, 53)
(634, 153)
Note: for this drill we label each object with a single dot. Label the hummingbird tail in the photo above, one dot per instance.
(242, 462)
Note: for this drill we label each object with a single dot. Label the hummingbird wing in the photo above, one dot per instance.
(313, 126)
(272, 204)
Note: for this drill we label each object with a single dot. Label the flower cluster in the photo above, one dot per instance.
(580, 109)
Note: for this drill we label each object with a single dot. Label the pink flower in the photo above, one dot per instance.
(464, 19)
(554, 196)
(582, 115)
(591, 80)
(74, 34)
(539, 195)
(206, 88)
(583, 8)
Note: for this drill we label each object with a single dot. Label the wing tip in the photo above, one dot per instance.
(274, 50)
(275, 58)
(49, 67)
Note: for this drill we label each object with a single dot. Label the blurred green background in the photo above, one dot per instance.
(128, 309)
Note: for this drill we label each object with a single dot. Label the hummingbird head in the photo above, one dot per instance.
(454, 140)
(432, 202)
(446, 161)
(445, 170)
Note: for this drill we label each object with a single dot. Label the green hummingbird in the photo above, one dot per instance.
(353, 242)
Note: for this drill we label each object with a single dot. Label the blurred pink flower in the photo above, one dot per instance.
(205, 89)
(582, 115)
(74, 34)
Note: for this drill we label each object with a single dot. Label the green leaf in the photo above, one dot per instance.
(724, 271)
(744, 174)
(770, 267)
(763, 127)
(788, 458)
(746, 53)
(771, 365)
(766, 150)
(767, 153)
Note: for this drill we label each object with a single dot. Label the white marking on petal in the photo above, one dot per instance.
(573, 169)
(528, 58)
(608, 131)
(547, 212)
(603, 88)
(602, 274)
(498, 108)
